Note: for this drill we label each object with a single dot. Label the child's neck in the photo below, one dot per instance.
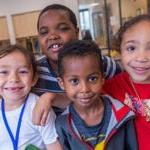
(53, 65)
(93, 114)
(12, 105)
(140, 82)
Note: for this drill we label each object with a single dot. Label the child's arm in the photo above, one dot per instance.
(41, 110)
(110, 67)
(54, 146)
(48, 133)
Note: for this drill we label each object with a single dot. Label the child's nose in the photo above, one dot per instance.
(14, 77)
(142, 56)
(84, 87)
(53, 35)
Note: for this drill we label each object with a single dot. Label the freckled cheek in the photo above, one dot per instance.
(97, 89)
(66, 38)
(126, 60)
(124, 57)
(71, 90)
(69, 36)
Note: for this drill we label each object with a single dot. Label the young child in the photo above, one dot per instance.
(133, 86)
(56, 26)
(91, 121)
(17, 76)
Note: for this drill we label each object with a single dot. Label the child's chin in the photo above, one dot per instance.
(141, 79)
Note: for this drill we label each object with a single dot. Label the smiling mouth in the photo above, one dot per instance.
(86, 99)
(14, 89)
(141, 70)
(55, 47)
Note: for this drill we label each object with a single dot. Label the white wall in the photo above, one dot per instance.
(19, 6)
(11, 7)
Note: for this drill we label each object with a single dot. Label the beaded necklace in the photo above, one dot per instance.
(146, 107)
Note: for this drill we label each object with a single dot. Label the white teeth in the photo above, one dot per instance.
(55, 46)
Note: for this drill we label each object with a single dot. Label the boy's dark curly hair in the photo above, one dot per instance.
(79, 48)
(70, 13)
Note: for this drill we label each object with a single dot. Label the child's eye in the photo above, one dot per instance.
(93, 78)
(74, 81)
(63, 28)
(131, 48)
(43, 32)
(23, 71)
(3, 72)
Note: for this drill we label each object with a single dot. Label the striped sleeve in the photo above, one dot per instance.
(110, 67)
(47, 79)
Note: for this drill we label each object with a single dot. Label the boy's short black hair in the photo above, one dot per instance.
(70, 13)
(8, 49)
(79, 48)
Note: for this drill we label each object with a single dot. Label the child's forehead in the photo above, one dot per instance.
(80, 59)
(55, 12)
(16, 55)
(15, 58)
(141, 28)
(81, 56)
(85, 63)
(140, 24)
(10, 52)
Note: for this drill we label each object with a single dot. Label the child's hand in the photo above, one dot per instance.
(41, 109)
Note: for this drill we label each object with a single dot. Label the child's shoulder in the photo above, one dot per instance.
(42, 58)
(113, 101)
(120, 76)
(119, 79)
(118, 107)
(33, 96)
(32, 99)
(42, 61)
(43, 66)
(61, 119)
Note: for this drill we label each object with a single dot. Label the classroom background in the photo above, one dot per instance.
(97, 19)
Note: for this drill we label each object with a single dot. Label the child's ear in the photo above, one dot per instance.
(61, 83)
